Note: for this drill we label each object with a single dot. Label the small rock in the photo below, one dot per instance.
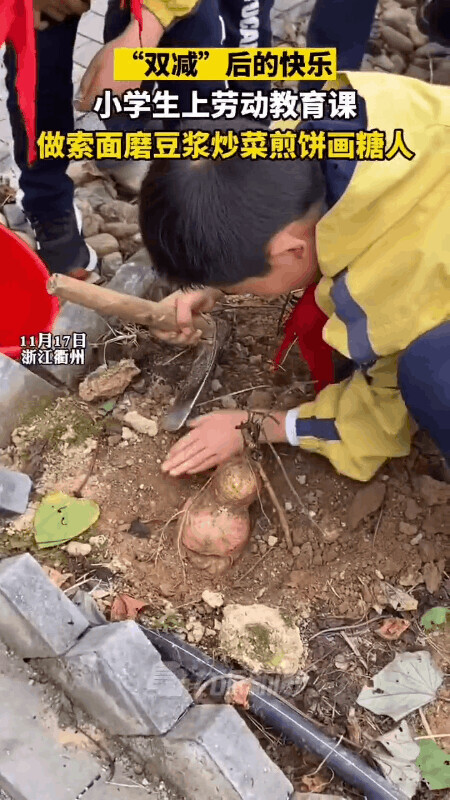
(103, 244)
(416, 539)
(395, 40)
(295, 551)
(196, 633)
(228, 402)
(417, 37)
(141, 424)
(78, 548)
(97, 193)
(119, 211)
(216, 385)
(111, 263)
(331, 535)
(212, 599)
(417, 72)
(384, 63)
(120, 230)
(106, 383)
(437, 521)
(253, 360)
(97, 541)
(128, 435)
(288, 505)
(301, 479)
(407, 528)
(260, 399)
(433, 492)
(398, 62)
(92, 225)
(114, 439)
(442, 73)
(272, 541)
(399, 19)
(412, 509)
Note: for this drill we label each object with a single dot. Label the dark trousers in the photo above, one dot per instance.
(424, 381)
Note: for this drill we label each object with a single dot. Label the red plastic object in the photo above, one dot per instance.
(26, 309)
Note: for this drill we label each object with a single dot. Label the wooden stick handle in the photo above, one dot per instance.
(109, 303)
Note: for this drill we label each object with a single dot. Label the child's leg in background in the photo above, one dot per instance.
(47, 189)
(424, 381)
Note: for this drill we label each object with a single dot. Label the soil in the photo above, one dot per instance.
(331, 579)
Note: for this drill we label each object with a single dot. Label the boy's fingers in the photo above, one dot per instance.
(208, 464)
(194, 462)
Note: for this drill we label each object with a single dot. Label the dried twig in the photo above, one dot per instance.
(298, 499)
(254, 565)
(282, 516)
(425, 723)
(349, 627)
(233, 394)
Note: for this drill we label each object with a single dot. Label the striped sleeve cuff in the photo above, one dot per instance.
(291, 420)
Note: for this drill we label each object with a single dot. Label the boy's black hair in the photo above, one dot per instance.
(209, 222)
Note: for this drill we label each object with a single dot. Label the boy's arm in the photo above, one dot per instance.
(357, 424)
(156, 16)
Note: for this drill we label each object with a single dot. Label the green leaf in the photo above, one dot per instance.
(108, 406)
(60, 518)
(434, 765)
(435, 617)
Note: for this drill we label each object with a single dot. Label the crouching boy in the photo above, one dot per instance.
(372, 236)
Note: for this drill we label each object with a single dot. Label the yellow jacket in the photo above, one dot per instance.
(167, 11)
(384, 253)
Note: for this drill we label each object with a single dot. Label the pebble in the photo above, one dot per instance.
(196, 633)
(216, 385)
(141, 424)
(296, 551)
(127, 434)
(212, 599)
(78, 548)
(407, 528)
(103, 244)
(114, 439)
(111, 263)
(398, 62)
(263, 547)
(228, 402)
(253, 360)
(121, 229)
(92, 224)
(416, 539)
(288, 505)
(417, 72)
(119, 211)
(301, 479)
(272, 541)
(384, 63)
(395, 40)
(399, 19)
(412, 509)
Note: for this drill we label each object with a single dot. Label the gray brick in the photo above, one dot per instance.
(118, 677)
(211, 754)
(15, 488)
(37, 620)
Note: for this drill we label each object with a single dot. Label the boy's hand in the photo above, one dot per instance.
(186, 305)
(214, 438)
(57, 10)
(100, 72)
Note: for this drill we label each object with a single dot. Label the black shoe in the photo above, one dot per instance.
(61, 246)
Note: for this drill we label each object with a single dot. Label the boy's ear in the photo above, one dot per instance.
(285, 242)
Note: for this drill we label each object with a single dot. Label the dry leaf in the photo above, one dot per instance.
(57, 578)
(365, 502)
(397, 758)
(126, 607)
(391, 629)
(409, 682)
(315, 783)
(237, 694)
(432, 576)
(397, 598)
